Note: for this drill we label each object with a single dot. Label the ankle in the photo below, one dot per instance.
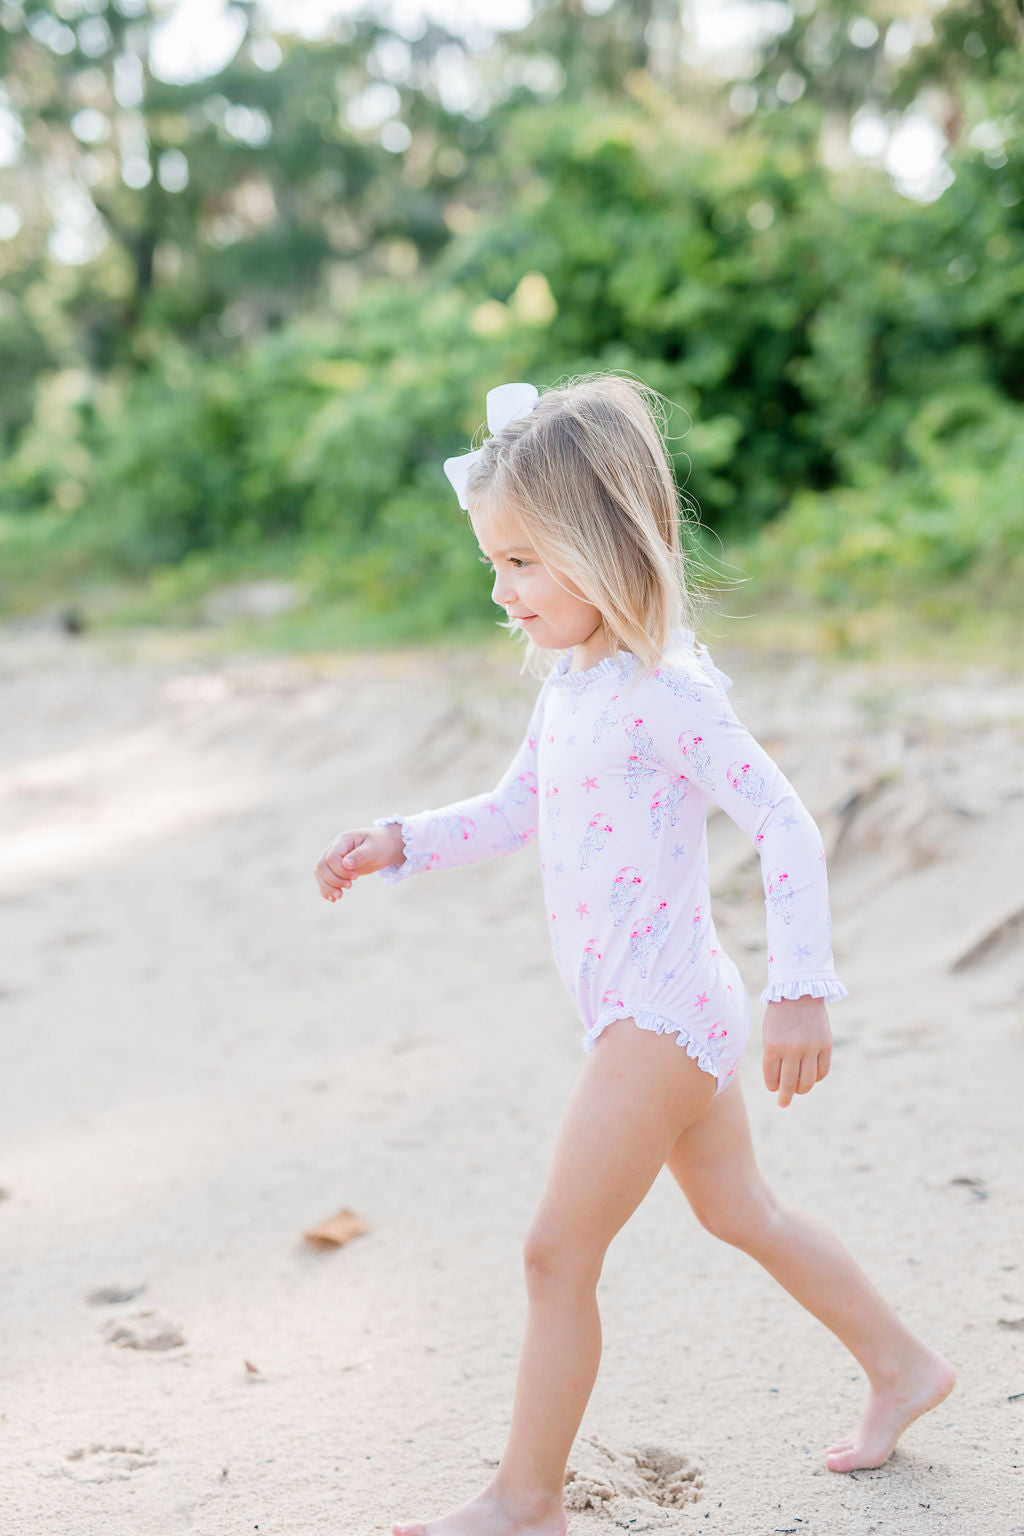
(901, 1368)
(525, 1505)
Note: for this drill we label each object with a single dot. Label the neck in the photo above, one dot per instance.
(590, 651)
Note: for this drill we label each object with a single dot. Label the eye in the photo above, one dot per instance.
(518, 563)
(484, 561)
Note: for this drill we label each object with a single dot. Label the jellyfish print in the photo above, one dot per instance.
(607, 718)
(625, 889)
(666, 803)
(697, 934)
(589, 962)
(637, 774)
(514, 840)
(551, 804)
(780, 894)
(648, 935)
(716, 1039)
(698, 759)
(639, 737)
(678, 681)
(611, 998)
(747, 783)
(421, 861)
(640, 945)
(659, 924)
(521, 788)
(596, 836)
(459, 826)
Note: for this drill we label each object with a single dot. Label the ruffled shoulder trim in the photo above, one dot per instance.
(703, 655)
(686, 650)
(828, 988)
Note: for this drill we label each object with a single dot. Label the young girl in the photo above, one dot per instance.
(574, 506)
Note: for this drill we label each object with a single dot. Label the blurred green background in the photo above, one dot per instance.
(261, 264)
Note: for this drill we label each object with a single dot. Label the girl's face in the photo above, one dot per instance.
(552, 611)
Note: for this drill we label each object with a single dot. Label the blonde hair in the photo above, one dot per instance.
(588, 476)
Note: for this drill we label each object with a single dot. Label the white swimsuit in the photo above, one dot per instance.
(614, 776)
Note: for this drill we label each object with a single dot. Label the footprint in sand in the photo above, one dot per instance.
(647, 1472)
(145, 1330)
(107, 1463)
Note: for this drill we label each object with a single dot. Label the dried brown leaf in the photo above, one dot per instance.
(337, 1229)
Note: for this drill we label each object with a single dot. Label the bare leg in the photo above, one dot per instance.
(636, 1093)
(714, 1165)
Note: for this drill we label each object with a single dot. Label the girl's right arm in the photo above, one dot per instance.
(497, 822)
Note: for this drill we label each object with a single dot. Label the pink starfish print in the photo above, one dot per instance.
(589, 784)
(582, 910)
(702, 998)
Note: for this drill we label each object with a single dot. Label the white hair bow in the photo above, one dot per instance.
(504, 404)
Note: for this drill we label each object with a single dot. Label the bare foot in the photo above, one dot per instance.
(889, 1411)
(491, 1515)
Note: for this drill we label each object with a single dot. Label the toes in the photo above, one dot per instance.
(856, 1459)
(842, 1460)
(840, 1445)
(417, 1528)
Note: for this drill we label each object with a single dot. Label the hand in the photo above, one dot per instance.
(797, 1046)
(361, 852)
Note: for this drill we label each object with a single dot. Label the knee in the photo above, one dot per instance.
(554, 1260)
(745, 1218)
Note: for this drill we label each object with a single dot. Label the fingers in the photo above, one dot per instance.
(797, 1047)
(808, 1074)
(355, 857)
(789, 1078)
(331, 885)
(339, 866)
(789, 1075)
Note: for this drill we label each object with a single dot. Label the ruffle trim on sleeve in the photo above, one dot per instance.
(828, 988)
(702, 1052)
(393, 872)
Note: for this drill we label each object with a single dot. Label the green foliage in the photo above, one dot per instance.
(280, 353)
(207, 210)
(954, 516)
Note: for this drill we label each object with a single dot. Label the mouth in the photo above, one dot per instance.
(523, 618)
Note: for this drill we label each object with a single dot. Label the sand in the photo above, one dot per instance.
(202, 1060)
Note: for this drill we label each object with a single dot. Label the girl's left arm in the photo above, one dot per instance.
(707, 744)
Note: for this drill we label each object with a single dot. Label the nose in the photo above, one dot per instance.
(503, 590)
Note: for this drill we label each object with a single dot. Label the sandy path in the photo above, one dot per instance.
(201, 1059)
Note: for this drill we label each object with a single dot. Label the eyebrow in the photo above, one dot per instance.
(515, 549)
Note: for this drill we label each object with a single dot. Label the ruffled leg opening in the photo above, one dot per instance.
(701, 1051)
